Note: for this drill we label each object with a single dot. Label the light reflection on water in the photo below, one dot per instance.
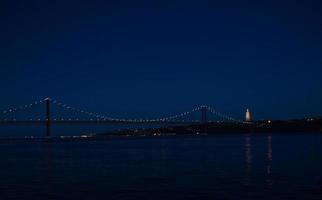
(248, 159)
(195, 167)
(269, 162)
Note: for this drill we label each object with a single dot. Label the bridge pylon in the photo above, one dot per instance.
(48, 122)
(203, 120)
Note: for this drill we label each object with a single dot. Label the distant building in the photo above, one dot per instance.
(248, 115)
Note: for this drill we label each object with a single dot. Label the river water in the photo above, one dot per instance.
(235, 166)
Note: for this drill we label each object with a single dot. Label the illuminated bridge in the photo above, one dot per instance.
(9, 116)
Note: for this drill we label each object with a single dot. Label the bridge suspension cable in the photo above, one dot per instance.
(223, 116)
(90, 114)
(18, 108)
(172, 117)
(13, 110)
(103, 117)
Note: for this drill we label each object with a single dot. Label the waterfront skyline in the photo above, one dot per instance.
(157, 58)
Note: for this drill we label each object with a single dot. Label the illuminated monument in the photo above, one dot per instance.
(247, 115)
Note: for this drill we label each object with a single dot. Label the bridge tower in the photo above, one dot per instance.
(47, 104)
(204, 118)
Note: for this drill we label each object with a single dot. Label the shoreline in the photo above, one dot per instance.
(164, 136)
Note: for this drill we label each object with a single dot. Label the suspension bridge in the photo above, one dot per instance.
(8, 116)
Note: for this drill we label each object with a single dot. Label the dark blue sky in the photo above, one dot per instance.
(151, 58)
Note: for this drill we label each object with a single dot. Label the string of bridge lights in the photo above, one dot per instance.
(102, 117)
(171, 118)
(19, 108)
(213, 111)
(91, 114)
(178, 115)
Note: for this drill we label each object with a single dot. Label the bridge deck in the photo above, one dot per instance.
(102, 122)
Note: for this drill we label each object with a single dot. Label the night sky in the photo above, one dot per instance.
(154, 58)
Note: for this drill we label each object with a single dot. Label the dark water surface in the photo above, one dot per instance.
(270, 166)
